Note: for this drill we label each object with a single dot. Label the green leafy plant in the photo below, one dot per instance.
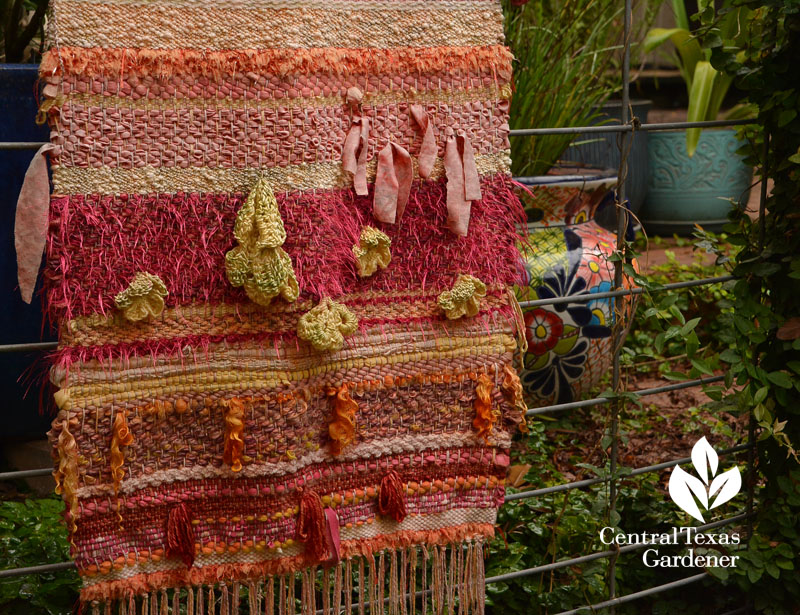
(765, 362)
(31, 533)
(22, 21)
(705, 85)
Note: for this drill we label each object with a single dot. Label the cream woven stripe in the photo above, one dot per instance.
(499, 437)
(380, 25)
(480, 94)
(148, 180)
(259, 356)
(234, 378)
(380, 527)
(223, 319)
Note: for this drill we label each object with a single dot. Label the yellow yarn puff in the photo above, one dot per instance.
(121, 436)
(258, 263)
(372, 251)
(326, 324)
(464, 299)
(512, 390)
(234, 426)
(485, 417)
(342, 427)
(143, 298)
(66, 474)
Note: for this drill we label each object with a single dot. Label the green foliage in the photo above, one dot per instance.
(765, 362)
(565, 57)
(22, 20)
(705, 85)
(31, 533)
(663, 339)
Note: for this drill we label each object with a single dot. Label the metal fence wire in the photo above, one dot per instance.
(627, 132)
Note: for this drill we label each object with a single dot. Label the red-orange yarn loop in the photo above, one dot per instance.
(311, 527)
(485, 418)
(121, 436)
(180, 534)
(234, 426)
(342, 427)
(391, 502)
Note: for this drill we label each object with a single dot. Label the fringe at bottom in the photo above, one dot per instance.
(415, 580)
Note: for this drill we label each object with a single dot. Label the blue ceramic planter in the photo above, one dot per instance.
(683, 191)
(19, 322)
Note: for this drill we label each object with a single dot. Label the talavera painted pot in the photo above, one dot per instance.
(566, 255)
(702, 189)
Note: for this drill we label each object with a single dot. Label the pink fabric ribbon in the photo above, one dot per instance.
(427, 152)
(463, 185)
(354, 152)
(332, 536)
(392, 183)
(30, 224)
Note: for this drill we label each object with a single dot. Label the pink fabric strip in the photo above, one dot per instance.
(461, 180)
(392, 183)
(30, 225)
(354, 154)
(334, 540)
(427, 152)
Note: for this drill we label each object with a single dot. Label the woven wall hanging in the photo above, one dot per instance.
(279, 250)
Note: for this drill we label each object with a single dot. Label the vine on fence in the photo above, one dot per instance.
(765, 364)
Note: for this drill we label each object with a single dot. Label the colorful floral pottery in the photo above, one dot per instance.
(567, 255)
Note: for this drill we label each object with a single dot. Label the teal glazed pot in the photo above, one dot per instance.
(702, 189)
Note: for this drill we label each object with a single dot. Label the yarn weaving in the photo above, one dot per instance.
(280, 246)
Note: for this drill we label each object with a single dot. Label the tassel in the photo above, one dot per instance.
(392, 183)
(190, 600)
(121, 436)
(348, 587)
(269, 603)
(463, 184)
(224, 602)
(180, 534)
(342, 427)
(427, 152)
(412, 582)
(164, 610)
(356, 144)
(311, 526)
(30, 224)
(485, 417)
(391, 502)
(234, 426)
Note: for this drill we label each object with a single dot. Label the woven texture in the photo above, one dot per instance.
(281, 242)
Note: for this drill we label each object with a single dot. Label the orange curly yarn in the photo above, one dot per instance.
(342, 427)
(234, 426)
(66, 474)
(121, 436)
(485, 419)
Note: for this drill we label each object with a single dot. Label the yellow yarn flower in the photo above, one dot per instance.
(464, 299)
(326, 324)
(258, 263)
(143, 298)
(372, 251)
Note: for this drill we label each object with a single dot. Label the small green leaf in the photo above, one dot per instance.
(782, 379)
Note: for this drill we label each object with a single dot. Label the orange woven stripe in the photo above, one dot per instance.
(492, 59)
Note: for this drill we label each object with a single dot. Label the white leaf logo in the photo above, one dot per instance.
(684, 488)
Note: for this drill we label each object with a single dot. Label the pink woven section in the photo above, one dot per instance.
(244, 138)
(97, 244)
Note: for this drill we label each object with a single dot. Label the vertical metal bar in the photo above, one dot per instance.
(751, 427)
(622, 224)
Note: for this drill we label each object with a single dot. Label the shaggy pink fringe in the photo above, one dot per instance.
(98, 243)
